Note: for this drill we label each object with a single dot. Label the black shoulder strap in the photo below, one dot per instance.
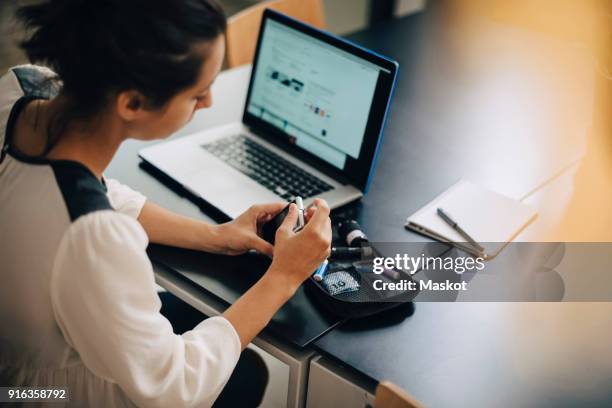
(83, 193)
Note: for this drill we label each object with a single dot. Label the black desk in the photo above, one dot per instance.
(508, 109)
(475, 100)
(486, 354)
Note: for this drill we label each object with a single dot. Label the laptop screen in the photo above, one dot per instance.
(317, 94)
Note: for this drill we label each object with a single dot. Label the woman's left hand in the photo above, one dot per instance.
(244, 233)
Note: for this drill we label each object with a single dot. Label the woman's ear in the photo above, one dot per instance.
(130, 105)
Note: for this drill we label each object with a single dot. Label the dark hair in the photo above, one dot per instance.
(97, 47)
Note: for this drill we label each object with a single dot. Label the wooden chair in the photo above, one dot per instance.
(243, 27)
(389, 395)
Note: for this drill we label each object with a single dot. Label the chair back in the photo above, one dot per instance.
(389, 395)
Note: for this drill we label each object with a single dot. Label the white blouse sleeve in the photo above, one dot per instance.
(104, 301)
(123, 198)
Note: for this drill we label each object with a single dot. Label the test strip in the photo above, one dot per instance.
(300, 206)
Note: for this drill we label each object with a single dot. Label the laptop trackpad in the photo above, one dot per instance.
(229, 190)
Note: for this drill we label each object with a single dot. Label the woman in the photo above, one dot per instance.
(78, 303)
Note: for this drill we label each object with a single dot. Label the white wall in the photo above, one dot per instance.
(404, 7)
(345, 16)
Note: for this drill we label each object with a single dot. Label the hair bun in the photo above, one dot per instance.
(54, 29)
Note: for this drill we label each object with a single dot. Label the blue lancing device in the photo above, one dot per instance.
(320, 272)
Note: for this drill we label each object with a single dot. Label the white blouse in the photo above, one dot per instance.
(78, 304)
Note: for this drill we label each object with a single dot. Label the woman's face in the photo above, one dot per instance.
(180, 109)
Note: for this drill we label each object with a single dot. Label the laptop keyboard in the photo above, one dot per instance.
(266, 167)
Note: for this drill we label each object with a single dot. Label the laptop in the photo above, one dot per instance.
(312, 125)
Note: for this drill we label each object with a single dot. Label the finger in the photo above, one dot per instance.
(328, 229)
(318, 202)
(290, 220)
(263, 219)
(268, 211)
(261, 222)
(309, 213)
(321, 215)
(263, 247)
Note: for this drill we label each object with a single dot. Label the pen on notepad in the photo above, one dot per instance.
(457, 228)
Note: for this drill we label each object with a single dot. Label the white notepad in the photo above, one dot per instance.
(491, 219)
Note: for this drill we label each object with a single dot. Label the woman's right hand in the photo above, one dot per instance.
(297, 255)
